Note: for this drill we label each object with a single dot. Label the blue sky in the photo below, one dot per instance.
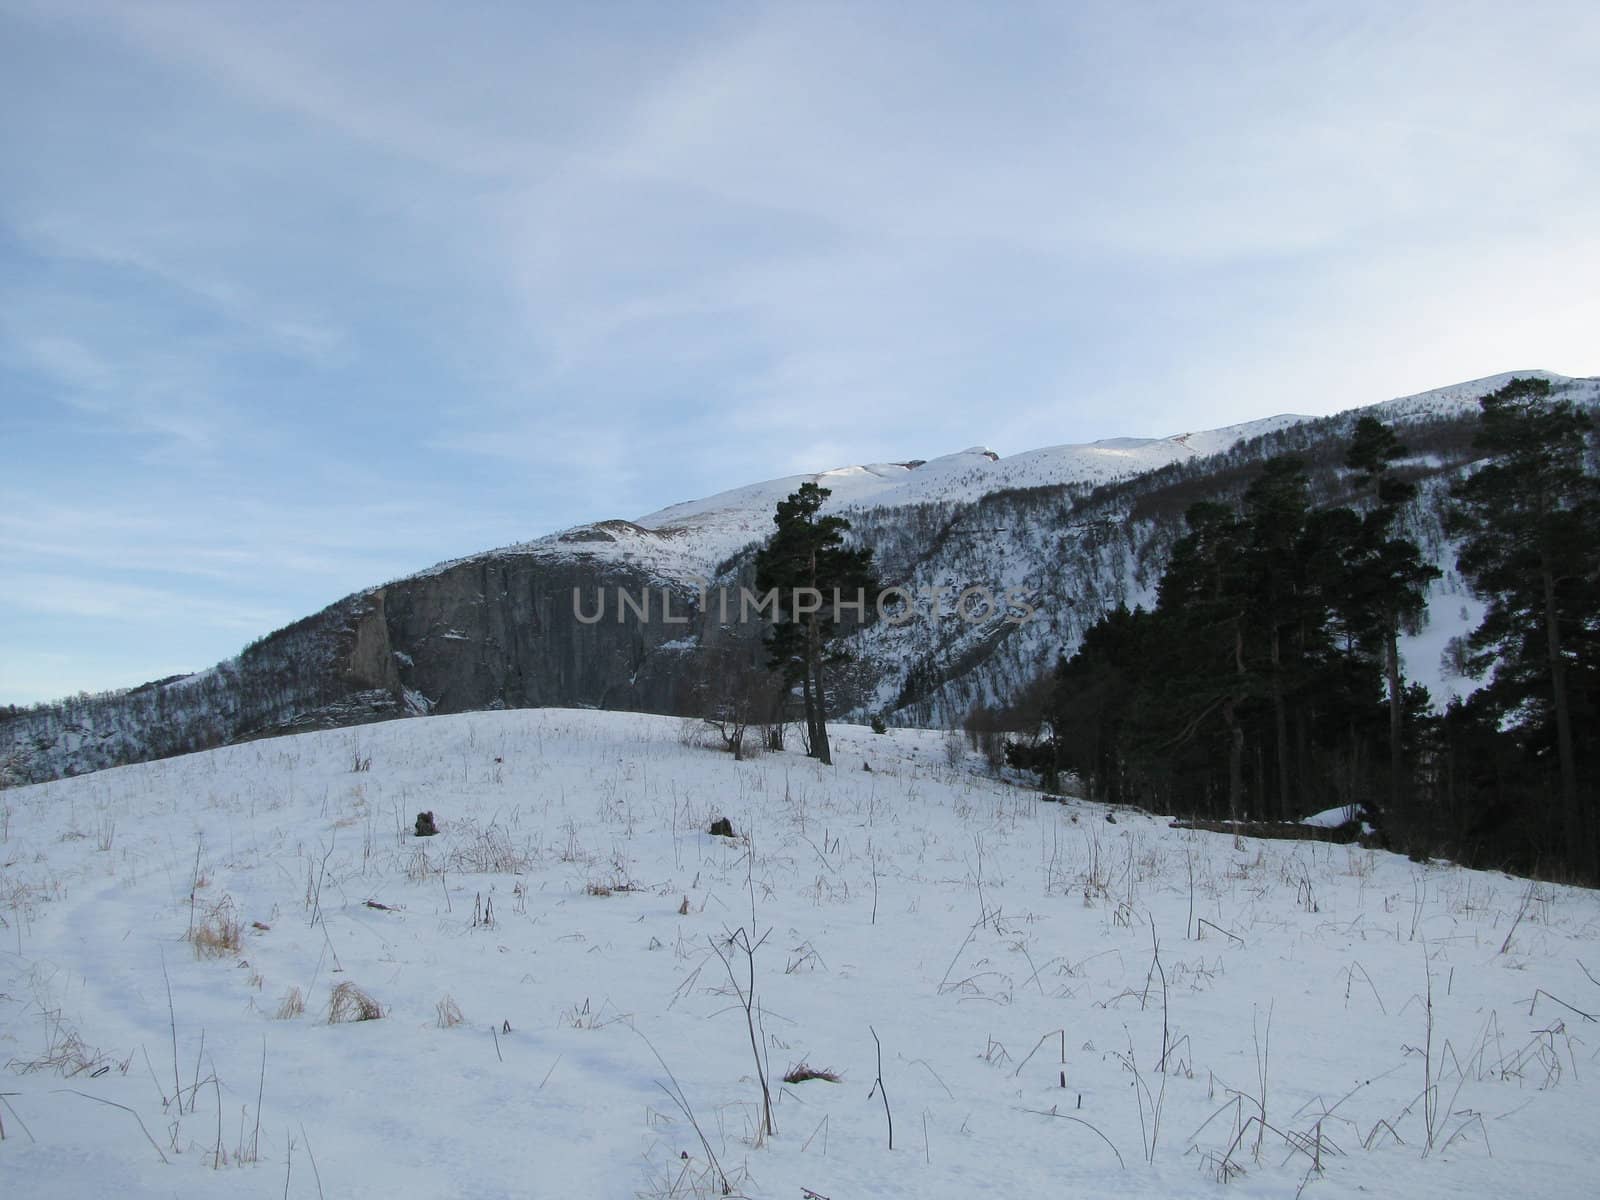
(298, 298)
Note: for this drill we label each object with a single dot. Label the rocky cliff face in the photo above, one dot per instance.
(505, 630)
(498, 630)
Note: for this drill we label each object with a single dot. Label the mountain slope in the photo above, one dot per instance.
(1075, 529)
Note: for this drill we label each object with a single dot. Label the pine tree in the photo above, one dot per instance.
(1388, 578)
(1202, 612)
(1235, 688)
(1091, 708)
(1276, 504)
(814, 574)
(1530, 522)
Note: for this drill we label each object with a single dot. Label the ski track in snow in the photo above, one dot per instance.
(967, 920)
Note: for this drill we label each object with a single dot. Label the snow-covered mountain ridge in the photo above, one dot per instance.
(1077, 528)
(685, 541)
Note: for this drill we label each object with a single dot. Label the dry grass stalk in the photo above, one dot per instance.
(349, 1003)
(449, 1013)
(490, 851)
(67, 1055)
(418, 868)
(291, 1006)
(219, 935)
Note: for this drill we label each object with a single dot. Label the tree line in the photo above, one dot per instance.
(1266, 681)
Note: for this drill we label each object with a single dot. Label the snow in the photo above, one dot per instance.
(682, 544)
(1459, 398)
(719, 525)
(996, 943)
(1452, 612)
(1331, 818)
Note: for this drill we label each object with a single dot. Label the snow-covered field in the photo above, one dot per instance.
(1066, 1004)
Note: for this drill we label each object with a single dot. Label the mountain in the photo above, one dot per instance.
(687, 541)
(1067, 531)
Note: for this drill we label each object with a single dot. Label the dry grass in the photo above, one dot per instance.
(291, 1006)
(219, 935)
(349, 1003)
(487, 851)
(449, 1013)
(67, 1055)
(695, 734)
(418, 868)
(805, 1071)
(596, 888)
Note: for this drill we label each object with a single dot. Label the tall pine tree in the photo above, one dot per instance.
(1387, 577)
(815, 575)
(1529, 517)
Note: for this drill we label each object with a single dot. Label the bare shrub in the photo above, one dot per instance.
(953, 753)
(986, 732)
(695, 734)
(349, 1003)
(734, 693)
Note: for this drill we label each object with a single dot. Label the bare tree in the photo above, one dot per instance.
(734, 692)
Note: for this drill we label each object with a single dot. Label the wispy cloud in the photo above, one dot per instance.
(75, 596)
(267, 269)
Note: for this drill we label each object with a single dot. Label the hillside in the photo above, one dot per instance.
(1076, 529)
(1065, 999)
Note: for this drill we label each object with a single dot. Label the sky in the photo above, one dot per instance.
(298, 298)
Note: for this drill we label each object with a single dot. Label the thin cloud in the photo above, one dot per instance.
(325, 293)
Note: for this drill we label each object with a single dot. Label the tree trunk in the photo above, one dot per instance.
(1572, 811)
(1235, 732)
(810, 709)
(819, 739)
(1235, 759)
(778, 714)
(1391, 663)
(1282, 723)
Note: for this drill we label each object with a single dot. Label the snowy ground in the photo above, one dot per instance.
(1004, 949)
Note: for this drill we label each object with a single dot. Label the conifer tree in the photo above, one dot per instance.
(1234, 689)
(1530, 521)
(1388, 578)
(1202, 601)
(1277, 504)
(815, 575)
